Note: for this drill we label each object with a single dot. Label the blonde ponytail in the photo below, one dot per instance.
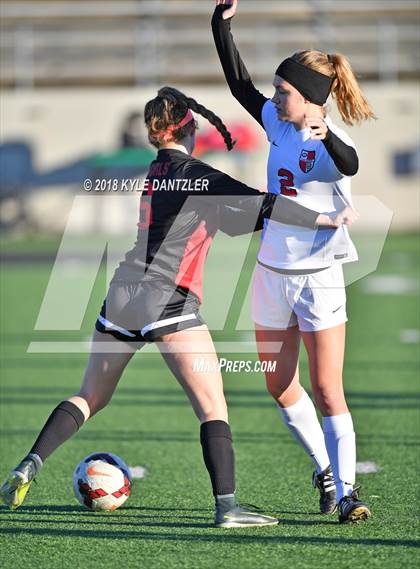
(351, 102)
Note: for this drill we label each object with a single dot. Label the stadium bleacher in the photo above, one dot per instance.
(62, 43)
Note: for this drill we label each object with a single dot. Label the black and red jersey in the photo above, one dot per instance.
(186, 203)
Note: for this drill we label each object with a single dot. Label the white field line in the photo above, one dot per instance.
(137, 471)
(367, 467)
(410, 336)
(390, 284)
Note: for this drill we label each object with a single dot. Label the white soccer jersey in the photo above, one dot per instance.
(302, 169)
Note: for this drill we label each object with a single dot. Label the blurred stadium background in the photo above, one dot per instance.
(72, 73)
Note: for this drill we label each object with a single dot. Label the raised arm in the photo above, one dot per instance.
(236, 74)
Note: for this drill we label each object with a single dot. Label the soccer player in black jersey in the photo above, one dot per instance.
(155, 296)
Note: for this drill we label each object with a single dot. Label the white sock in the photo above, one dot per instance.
(341, 445)
(302, 421)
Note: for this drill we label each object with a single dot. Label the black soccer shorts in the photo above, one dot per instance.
(142, 312)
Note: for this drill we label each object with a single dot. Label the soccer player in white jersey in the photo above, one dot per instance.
(298, 288)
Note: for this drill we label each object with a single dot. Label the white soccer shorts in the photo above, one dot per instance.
(313, 302)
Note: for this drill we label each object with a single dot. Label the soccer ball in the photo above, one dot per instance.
(102, 481)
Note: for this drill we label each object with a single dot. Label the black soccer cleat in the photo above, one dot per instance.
(327, 492)
(242, 517)
(352, 510)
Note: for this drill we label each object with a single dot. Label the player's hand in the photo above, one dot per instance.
(318, 127)
(346, 217)
(230, 12)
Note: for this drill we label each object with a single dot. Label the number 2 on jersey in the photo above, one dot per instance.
(287, 182)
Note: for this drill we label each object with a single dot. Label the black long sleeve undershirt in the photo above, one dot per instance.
(240, 83)
(344, 156)
(236, 73)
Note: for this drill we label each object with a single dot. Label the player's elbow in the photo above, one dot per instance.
(354, 168)
(351, 165)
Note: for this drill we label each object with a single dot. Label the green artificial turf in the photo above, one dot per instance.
(166, 523)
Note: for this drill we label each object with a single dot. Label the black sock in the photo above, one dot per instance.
(216, 441)
(64, 421)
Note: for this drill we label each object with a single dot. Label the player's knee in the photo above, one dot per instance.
(329, 400)
(275, 391)
(211, 410)
(96, 401)
(278, 387)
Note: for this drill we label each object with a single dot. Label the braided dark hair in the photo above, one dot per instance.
(169, 107)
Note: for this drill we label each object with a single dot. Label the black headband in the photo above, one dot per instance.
(314, 86)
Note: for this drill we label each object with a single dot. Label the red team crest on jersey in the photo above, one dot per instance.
(307, 160)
